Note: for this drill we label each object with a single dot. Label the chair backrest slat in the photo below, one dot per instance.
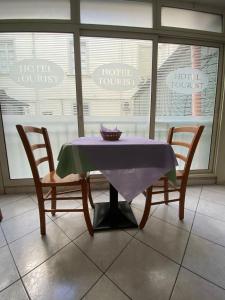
(32, 129)
(180, 156)
(197, 132)
(187, 145)
(41, 160)
(192, 129)
(29, 148)
(37, 146)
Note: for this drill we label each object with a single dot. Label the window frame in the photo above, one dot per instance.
(157, 34)
(192, 7)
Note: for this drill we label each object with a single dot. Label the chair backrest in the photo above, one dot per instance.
(191, 147)
(30, 148)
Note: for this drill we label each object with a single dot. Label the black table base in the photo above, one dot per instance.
(113, 214)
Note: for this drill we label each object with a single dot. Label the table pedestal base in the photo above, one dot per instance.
(113, 218)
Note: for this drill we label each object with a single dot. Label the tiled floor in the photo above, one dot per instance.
(169, 259)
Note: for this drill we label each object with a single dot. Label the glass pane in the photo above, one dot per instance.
(186, 92)
(183, 18)
(34, 9)
(36, 88)
(116, 88)
(116, 12)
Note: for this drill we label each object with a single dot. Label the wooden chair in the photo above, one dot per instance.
(51, 180)
(182, 176)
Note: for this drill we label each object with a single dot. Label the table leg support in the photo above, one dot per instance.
(113, 214)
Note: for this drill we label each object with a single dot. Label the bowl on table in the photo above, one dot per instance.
(111, 135)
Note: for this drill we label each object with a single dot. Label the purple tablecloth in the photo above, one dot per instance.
(130, 164)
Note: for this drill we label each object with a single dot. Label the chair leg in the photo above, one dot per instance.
(166, 194)
(1, 217)
(84, 190)
(42, 216)
(181, 204)
(89, 193)
(148, 203)
(53, 202)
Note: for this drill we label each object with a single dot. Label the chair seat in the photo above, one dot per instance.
(53, 179)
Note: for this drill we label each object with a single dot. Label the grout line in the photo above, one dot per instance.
(132, 238)
(156, 250)
(170, 223)
(104, 272)
(185, 247)
(44, 261)
(201, 276)
(20, 277)
(10, 218)
(212, 242)
(216, 219)
(38, 227)
(8, 286)
(91, 287)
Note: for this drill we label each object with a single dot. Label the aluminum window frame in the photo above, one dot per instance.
(157, 34)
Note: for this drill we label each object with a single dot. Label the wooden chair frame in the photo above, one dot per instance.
(182, 176)
(52, 181)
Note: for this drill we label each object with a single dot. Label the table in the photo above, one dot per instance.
(130, 165)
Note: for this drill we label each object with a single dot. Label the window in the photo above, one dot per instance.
(28, 93)
(117, 12)
(84, 58)
(116, 86)
(183, 18)
(125, 108)
(86, 109)
(33, 9)
(186, 92)
(7, 55)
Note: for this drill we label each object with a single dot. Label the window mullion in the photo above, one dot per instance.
(78, 82)
(153, 88)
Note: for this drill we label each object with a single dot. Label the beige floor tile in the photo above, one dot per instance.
(209, 228)
(21, 225)
(97, 193)
(206, 259)
(73, 224)
(170, 214)
(142, 272)
(214, 188)
(192, 287)
(10, 198)
(104, 247)
(212, 209)
(104, 197)
(2, 239)
(191, 202)
(105, 290)
(17, 208)
(213, 196)
(67, 204)
(67, 275)
(138, 215)
(194, 190)
(139, 202)
(15, 291)
(32, 249)
(167, 239)
(8, 271)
